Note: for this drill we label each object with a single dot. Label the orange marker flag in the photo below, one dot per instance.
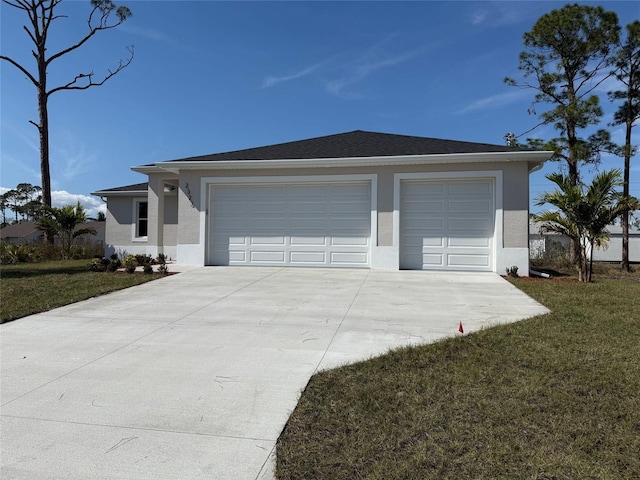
(460, 329)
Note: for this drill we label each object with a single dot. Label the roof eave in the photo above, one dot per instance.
(175, 166)
(147, 169)
(119, 193)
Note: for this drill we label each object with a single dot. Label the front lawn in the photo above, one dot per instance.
(29, 288)
(554, 397)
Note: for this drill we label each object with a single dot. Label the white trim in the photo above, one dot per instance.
(129, 193)
(496, 175)
(206, 183)
(175, 166)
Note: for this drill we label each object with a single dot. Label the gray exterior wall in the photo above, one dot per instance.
(119, 231)
(515, 195)
(182, 232)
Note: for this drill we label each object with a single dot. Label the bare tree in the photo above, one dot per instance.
(41, 14)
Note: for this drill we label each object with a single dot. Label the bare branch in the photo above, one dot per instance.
(21, 68)
(93, 31)
(34, 124)
(18, 4)
(73, 84)
(531, 129)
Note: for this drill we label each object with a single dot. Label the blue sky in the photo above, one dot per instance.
(213, 76)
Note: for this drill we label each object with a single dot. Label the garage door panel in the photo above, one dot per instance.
(233, 255)
(348, 189)
(308, 190)
(236, 240)
(262, 256)
(302, 224)
(468, 242)
(453, 231)
(477, 224)
(483, 188)
(468, 260)
(470, 206)
(232, 193)
(298, 224)
(420, 223)
(305, 258)
(349, 208)
(432, 259)
(233, 208)
(354, 241)
(340, 224)
(267, 240)
(423, 207)
(433, 188)
(318, 240)
(308, 208)
(263, 191)
(350, 258)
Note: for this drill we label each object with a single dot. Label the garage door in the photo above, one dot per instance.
(447, 225)
(299, 224)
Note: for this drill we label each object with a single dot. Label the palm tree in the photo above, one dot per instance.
(583, 213)
(64, 222)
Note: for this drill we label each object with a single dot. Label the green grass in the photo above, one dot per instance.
(554, 397)
(29, 288)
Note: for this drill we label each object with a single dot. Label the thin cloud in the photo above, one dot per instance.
(71, 155)
(493, 102)
(478, 17)
(365, 66)
(502, 14)
(148, 33)
(270, 81)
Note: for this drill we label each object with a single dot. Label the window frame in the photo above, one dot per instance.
(137, 218)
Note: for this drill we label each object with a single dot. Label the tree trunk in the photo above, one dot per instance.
(43, 131)
(625, 192)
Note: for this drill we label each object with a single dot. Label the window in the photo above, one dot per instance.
(141, 219)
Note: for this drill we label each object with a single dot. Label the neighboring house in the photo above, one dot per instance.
(541, 244)
(21, 233)
(357, 199)
(27, 232)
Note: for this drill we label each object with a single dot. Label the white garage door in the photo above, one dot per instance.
(447, 225)
(299, 224)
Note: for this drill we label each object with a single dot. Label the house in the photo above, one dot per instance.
(356, 199)
(552, 244)
(21, 233)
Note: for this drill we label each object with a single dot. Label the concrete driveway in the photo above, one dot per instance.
(194, 376)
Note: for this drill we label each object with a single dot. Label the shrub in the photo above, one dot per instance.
(147, 268)
(100, 265)
(130, 263)
(512, 271)
(163, 269)
(14, 253)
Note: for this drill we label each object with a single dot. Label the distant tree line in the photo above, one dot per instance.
(23, 203)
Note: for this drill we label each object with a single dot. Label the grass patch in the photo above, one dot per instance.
(30, 288)
(553, 397)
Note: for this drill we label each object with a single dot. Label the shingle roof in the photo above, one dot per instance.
(355, 144)
(19, 230)
(136, 187)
